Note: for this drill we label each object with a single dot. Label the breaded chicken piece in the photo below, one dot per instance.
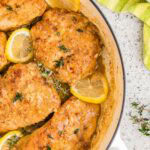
(3, 60)
(71, 128)
(15, 13)
(67, 43)
(25, 98)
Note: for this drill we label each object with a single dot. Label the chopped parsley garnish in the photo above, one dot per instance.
(58, 33)
(12, 141)
(79, 30)
(9, 8)
(76, 131)
(145, 128)
(48, 147)
(139, 117)
(63, 89)
(59, 63)
(60, 133)
(18, 97)
(49, 136)
(45, 72)
(63, 48)
(134, 104)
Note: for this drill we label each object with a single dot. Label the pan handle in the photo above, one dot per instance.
(117, 143)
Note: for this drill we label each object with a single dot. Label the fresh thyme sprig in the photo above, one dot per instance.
(63, 48)
(59, 63)
(48, 147)
(11, 142)
(139, 117)
(45, 72)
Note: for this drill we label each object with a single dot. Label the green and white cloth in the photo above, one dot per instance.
(139, 8)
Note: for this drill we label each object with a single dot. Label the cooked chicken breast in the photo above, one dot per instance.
(67, 43)
(15, 13)
(25, 98)
(71, 128)
(3, 60)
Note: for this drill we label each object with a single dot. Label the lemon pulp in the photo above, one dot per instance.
(93, 89)
(19, 46)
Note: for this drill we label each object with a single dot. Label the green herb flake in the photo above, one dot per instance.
(18, 97)
(63, 48)
(12, 141)
(135, 119)
(140, 119)
(76, 131)
(141, 109)
(134, 104)
(63, 89)
(79, 30)
(145, 128)
(45, 72)
(60, 133)
(58, 33)
(9, 8)
(48, 147)
(59, 63)
(49, 136)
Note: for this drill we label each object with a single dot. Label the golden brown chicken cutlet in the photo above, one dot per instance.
(3, 60)
(71, 128)
(25, 98)
(16, 13)
(67, 43)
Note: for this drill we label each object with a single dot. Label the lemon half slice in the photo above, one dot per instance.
(8, 140)
(93, 89)
(73, 5)
(19, 46)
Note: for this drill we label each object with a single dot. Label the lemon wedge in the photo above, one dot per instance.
(19, 46)
(73, 5)
(10, 139)
(93, 89)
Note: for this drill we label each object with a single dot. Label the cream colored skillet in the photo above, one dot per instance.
(113, 107)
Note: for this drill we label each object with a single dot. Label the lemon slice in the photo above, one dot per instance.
(73, 5)
(93, 89)
(10, 139)
(19, 46)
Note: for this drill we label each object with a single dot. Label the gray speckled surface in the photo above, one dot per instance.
(128, 31)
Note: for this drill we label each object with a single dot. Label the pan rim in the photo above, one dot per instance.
(123, 70)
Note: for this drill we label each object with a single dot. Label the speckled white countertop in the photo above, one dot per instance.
(129, 33)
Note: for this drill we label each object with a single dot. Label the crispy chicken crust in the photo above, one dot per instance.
(3, 60)
(71, 128)
(25, 98)
(16, 13)
(68, 43)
